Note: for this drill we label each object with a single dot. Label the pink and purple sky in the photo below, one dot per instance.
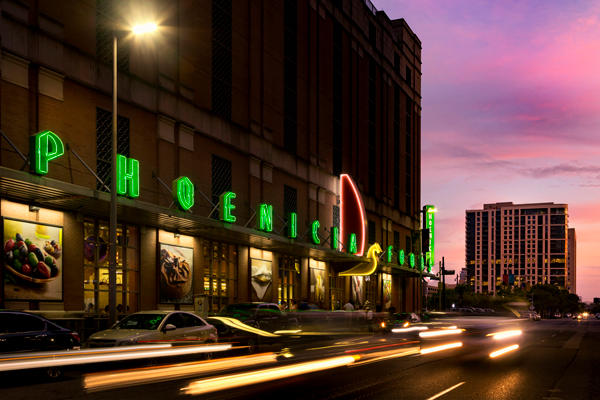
(511, 112)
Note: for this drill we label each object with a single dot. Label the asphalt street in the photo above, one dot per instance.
(559, 361)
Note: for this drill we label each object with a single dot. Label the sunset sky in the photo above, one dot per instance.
(511, 112)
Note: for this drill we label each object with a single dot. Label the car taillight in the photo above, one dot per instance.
(75, 337)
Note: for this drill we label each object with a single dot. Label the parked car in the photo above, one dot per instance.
(265, 316)
(21, 331)
(156, 327)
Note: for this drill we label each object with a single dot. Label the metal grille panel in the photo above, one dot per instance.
(221, 177)
(104, 143)
(290, 200)
(221, 58)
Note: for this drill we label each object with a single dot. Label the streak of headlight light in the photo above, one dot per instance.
(450, 327)
(441, 347)
(71, 353)
(443, 332)
(505, 334)
(387, 355)
(235, 323)
(117, 356)
(287, 332)
(250, 378)
(410, 329)
(110, 380)
(503, 350)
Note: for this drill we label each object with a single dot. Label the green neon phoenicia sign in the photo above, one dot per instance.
(46, 146)
(429, 224)
(183, 192)
(43, 148)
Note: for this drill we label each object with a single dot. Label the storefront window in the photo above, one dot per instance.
(336, 291)
(289, 274)
(261, 274)
(371, 293)
(219, 274)
(317, 282)
(95, 270)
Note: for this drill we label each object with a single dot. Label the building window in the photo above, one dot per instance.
(289, 274)
(104, 143)
(338, 66)
(336, 291)
(372, 144)
(219, 270)
(95, 267)
(397, 145)
(372, 238)
(372, 34)
(221, 177)
(221, 58)
(290, 76)
(408, 153)
(408, 76)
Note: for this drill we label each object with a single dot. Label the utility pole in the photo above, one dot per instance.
(439, 288)
(443, 285)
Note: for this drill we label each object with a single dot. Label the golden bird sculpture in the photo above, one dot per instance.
(364, 268)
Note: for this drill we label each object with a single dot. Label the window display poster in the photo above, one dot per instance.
(358, 291)
(387, 290)
(317, 285)
(262, 275)
(176, 267)
(32, 260)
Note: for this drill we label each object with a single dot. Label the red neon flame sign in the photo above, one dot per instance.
(352, 213)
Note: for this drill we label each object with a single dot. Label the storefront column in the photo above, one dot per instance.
(275, 280)
(243, 278)
(72, 263)
(304, 280)
(148, 268)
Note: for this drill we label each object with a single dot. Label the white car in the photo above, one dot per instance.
(149, 327)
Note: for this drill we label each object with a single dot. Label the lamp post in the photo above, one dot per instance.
(112, 264)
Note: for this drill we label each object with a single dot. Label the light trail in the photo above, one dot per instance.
(443, 392)
(380, 346)
(503, 351)
(115, 379)
(442, 347)
(107, 356)
(250, 378)
(443, 332)
(68, 353)
(505, 334)
(236, 323)
(410, 329)
(386, 355)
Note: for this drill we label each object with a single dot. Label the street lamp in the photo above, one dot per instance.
(112, 265)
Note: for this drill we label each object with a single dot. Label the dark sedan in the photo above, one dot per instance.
(20, 331)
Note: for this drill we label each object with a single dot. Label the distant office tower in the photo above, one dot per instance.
(462, 278)
(572, 261)
(518, 245)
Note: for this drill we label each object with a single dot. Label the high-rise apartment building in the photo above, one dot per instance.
(518, 245)
(572, 261)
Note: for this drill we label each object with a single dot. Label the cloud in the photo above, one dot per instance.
(562, 169)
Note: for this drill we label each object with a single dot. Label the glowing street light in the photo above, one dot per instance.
(147, 27)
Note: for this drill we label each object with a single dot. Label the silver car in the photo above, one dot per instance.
(148, 327)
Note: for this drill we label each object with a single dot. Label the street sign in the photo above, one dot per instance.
(448, 272)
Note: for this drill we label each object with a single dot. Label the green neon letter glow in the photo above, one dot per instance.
(265, 217)
(44, 147)
(183, 192)
(292, 227)
(401, 258)
(315, 231)
(226, 207)
(429, 224)
(411, 260)
(334, 237)
(128, 176)
(389, 252)
(352, 248)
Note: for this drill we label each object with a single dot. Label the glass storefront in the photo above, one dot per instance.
(219, 272)
(289, 277)
(95, 269)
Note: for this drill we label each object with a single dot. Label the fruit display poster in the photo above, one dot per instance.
(32, 260)
(176, 269)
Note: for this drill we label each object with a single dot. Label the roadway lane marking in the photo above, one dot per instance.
(443, 392)
(574, 341)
